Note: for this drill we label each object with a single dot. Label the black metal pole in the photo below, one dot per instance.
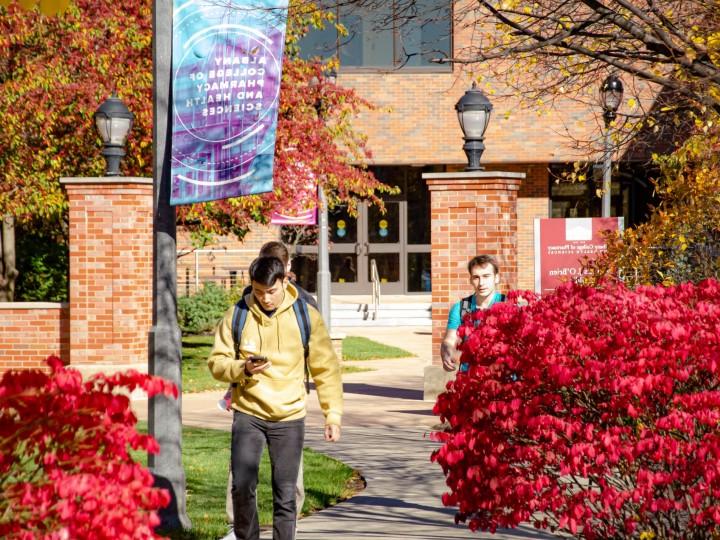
(608, 116)
(165, 414)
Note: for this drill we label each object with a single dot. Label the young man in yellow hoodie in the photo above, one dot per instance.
(269, 400)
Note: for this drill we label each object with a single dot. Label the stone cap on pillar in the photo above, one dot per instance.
(105, 180)
(463, 180)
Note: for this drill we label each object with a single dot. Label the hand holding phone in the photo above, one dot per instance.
(256, 363)
(257, 359)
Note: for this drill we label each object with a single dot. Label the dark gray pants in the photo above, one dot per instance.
(285, 442)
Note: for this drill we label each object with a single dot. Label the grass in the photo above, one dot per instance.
(206, 456)
(357, 348)
(195, 373)
(196, 348)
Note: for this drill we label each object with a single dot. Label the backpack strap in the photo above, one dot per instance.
(238, 323)
(465, 306)
(303, 319)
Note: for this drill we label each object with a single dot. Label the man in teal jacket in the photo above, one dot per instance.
(484, 279)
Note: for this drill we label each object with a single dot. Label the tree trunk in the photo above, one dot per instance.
(8, 271)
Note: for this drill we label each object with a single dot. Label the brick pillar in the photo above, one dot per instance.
(110, 293)
(471, 213)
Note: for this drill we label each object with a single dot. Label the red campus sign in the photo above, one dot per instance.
(561, 244)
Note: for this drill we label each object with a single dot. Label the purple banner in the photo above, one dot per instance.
(304, 217)
(227, 68)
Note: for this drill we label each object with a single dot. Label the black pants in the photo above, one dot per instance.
(285, 442)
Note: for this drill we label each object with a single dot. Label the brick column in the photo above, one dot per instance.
(110, 293)
(471, 213)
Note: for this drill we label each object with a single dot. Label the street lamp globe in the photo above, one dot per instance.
(113, 121)
(473, 110)
(611, 93)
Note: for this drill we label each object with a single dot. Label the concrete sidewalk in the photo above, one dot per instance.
(386, 429)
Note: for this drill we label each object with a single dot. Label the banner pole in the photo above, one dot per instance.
(164, 345)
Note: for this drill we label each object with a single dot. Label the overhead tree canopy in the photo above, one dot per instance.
(667, 49)
(675, 44)
(46, 7)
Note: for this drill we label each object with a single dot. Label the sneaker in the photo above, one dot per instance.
(229, 536)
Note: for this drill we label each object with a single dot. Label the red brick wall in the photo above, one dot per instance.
(471, 213)
(214, 262)
(32, 331)
(415, 121)
(110, 269)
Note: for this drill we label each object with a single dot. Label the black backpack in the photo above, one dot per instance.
(467, 302)
(300, 307)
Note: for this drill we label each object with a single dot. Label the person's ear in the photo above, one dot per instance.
(285, 282)
(497, 279)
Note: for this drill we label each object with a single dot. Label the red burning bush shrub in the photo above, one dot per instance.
(65, 470)
(593, 411)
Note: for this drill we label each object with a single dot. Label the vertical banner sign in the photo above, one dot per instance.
(227, 66)
(562, 244)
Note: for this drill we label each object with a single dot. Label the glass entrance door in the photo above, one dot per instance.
(384, 239)
(346, 261)
(354, 242)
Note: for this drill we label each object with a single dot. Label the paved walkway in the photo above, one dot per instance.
(386, 437)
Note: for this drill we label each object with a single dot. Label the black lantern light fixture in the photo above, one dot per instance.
(611, 93)
(473, 110)
(113, 121)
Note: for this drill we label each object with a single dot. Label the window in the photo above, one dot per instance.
(394, 34)
(631, 193)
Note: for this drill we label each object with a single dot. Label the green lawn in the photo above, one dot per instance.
(206, 456)
(359, 348)
(195, 373)
(196, 348)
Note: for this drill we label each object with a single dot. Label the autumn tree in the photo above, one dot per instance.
(55, 71)
(47, 7)
(681, 241)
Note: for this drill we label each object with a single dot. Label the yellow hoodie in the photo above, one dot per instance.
(278, 393)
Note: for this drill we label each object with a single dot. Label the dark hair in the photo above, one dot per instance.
(275, 249)
(266, 270)
(482, 260)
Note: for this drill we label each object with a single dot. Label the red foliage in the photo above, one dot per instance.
(65, 469)
(592, 410)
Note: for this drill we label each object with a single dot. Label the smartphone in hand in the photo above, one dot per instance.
(257, 359)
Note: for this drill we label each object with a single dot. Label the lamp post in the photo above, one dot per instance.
(473, 110)
(323, 275)
(164, 348)
(611, 93)
(113, 121)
